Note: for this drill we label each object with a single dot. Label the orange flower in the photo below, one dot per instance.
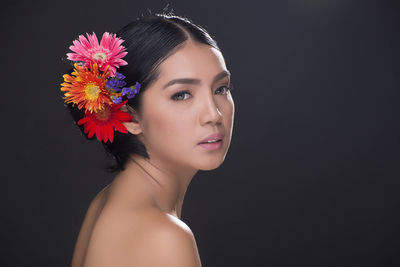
(104, 122)
(87, 88)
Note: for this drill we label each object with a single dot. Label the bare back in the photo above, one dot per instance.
(114, 235)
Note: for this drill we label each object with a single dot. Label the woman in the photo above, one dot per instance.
(182, 122)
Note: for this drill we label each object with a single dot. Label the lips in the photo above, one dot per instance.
(212, 137)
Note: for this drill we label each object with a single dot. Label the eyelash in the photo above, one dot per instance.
(228, 88)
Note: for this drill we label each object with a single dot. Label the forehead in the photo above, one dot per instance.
(192, 60)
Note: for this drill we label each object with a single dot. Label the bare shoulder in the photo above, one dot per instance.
(144, 237)
(164, 240)
(91, 216)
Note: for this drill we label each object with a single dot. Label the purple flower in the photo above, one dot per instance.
(119, 76)
(121, 83)
(125, 91)
(116, 100)
(131, 94)
(137, 86)
(113, 84)
(131, 91)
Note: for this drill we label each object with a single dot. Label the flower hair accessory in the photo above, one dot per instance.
(96, 87)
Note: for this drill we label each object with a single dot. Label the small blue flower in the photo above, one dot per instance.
(131, 94)
(121, 83)
(116, 100)
(119, 76)
(137, 86)
(129, 91)
(125, 90)
(113, 84)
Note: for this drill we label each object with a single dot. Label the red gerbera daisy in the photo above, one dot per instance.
(103, 122)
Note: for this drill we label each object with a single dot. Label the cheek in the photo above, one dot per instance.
(228, 112)
(232, 112)
(168, 127)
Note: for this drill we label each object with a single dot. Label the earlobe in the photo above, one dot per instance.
(133, 126)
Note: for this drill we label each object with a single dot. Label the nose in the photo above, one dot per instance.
(210, 112)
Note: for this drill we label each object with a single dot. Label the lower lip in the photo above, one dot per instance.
(212, 146)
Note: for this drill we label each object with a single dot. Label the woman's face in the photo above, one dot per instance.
(177, 115)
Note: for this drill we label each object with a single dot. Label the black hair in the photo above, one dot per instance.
(149, 40)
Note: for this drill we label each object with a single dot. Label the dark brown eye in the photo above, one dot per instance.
(180, 96)
(225, 89)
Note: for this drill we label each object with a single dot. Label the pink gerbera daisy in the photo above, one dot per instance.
(108, 53)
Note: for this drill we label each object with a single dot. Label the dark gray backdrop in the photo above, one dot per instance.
(312, 175)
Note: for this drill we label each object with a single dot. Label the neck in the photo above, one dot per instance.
(165, 185)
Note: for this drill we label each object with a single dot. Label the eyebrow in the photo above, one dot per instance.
(218, 77)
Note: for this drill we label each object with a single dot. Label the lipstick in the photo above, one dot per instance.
(212, 142)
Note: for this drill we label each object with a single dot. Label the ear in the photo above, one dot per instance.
(133, 126)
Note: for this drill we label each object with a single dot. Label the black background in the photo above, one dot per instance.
(312, 174)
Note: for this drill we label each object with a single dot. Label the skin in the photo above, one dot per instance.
(135, 221)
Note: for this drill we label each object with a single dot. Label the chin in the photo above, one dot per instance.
(210, 164)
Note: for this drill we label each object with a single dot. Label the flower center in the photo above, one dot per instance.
(99, 56)
(92, 91)
(104, 114)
